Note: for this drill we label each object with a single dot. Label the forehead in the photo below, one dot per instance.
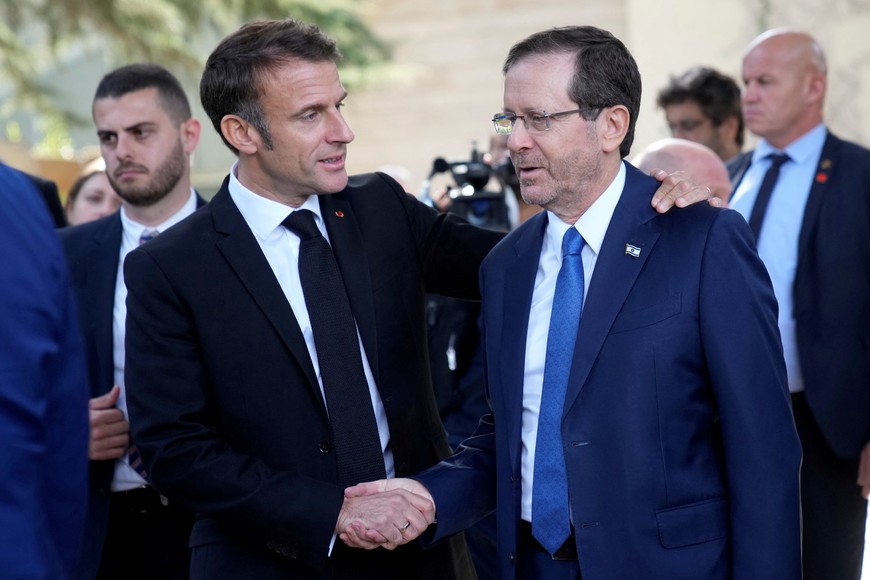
(133, 108)
(539, 82)
(297, 84)
(776, 55)
(687, 109)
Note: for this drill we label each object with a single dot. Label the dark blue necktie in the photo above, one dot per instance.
(355, 437)
(764, 192)
(551, 524)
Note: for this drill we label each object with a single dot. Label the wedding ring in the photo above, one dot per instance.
(405, 527)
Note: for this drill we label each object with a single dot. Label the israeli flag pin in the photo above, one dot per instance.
(632, 251)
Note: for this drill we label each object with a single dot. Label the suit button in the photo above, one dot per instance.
(324, 447)
(513, 558)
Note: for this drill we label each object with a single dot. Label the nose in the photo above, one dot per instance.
(750, 93)
(519, 138)
(122, 149)
(340, 131)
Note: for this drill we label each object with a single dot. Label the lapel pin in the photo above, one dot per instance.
(632, 251)
(826, 164)
(339, 213)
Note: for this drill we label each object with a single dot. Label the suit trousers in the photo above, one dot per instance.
(239, 560)
(147, 538)
(834, 512)
(535, 564)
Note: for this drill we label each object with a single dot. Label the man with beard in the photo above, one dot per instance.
(147, 135)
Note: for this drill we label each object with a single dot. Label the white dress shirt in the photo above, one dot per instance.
(126, 477)
(281, 248)
(592, 225)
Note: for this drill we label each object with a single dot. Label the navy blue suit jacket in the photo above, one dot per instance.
(43, 393)
(93, 251)
(832, 294)
(681, 452)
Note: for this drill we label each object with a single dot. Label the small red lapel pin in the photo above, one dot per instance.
(339, 213)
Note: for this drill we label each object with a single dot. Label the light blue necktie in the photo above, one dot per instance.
(551, 524)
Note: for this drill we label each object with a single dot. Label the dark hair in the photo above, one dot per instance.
(76, 187)
(137, 77)
(605, 73)
(717, 95)
(232, 80)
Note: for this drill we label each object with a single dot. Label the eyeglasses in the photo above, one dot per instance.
(504, 122)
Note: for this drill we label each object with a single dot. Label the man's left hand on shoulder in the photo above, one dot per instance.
(677, 189)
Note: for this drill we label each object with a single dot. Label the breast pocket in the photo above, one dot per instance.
(643, 317)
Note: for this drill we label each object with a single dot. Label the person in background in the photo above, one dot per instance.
(147, 135)
(639, 428)
(703, 105)
(91, 197)
(43, 394)
(806, 195)
(698, 161)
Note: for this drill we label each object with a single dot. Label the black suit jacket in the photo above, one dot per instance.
(224, 401)
(832, 293)
(48, 191)
(93, 251)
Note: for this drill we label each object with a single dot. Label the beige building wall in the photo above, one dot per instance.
(448, 57)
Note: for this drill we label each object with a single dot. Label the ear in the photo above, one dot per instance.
(240, 134)
(613, 124)
(190, 132)
(816, 88)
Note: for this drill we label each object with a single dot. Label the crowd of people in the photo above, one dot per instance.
(651, 385)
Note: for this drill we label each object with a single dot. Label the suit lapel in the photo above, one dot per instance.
(245, 257)
(348, 246)
(615, 274)
(96, 281)
(822, 177)
(519, 283)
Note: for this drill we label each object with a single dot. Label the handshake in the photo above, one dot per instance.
(385, 513)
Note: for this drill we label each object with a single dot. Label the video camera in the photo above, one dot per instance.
(469, 196)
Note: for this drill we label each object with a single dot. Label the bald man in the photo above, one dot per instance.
(700, 162)
(815, 242)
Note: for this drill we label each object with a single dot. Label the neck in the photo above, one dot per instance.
(157, 213)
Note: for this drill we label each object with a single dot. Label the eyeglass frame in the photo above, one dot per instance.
(534, 118)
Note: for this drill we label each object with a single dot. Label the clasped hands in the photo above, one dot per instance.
(384, 514)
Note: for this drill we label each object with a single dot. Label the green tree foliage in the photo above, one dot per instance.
(37, 36)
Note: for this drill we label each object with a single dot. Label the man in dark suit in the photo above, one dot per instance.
(48, 191)
(651, 437)
(43, 393)
(146, 135)
(232, 376)
(815, 241)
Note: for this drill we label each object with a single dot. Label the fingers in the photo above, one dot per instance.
(364, 489)
(387, 519)
(107, 401)
(677, 189)
(109, 434)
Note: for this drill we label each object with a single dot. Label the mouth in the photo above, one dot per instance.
(127, 173)
(528, 172)
(334, 163)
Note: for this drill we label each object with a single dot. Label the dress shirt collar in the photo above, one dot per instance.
(134, 229)
(264, 216)
(800, 150)
(593, 224)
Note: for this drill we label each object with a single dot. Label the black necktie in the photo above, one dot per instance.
(351, 416)
(763, 198)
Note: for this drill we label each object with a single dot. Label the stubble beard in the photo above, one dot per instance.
(163, 180)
